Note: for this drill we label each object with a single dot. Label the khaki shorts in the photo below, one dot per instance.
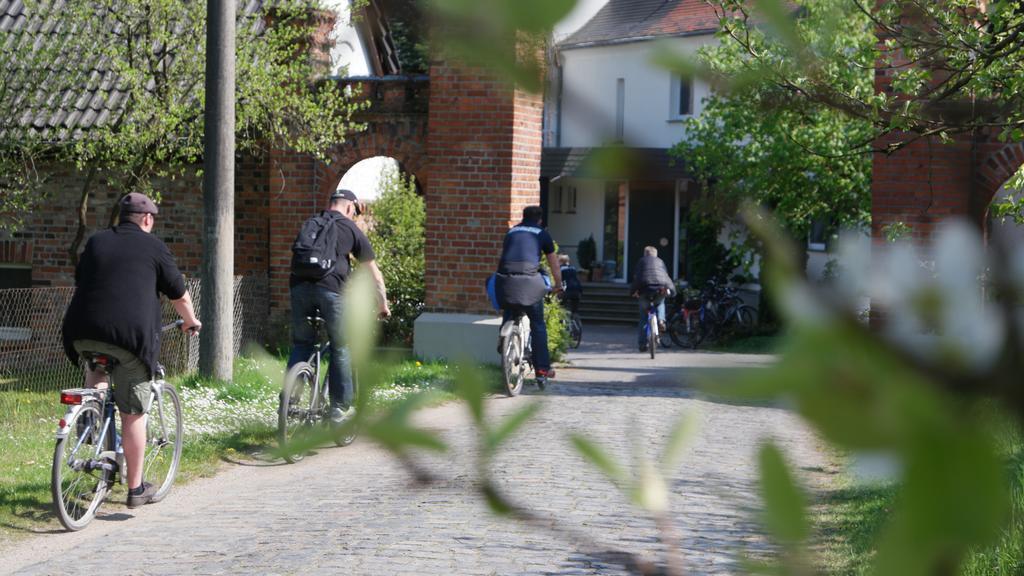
(130, 378)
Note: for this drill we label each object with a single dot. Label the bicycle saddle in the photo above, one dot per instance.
(99, 361)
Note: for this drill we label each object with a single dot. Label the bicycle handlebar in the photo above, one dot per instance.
(176, 324)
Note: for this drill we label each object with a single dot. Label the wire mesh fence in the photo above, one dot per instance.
(32, 358)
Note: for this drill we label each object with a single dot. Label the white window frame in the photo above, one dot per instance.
(678, 82)
(556, 200)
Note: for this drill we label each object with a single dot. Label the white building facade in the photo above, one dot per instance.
(611, 115)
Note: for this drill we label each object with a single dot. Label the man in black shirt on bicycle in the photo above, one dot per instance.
(116, 311)
(651, 283)
(520, 286)
(311, 295)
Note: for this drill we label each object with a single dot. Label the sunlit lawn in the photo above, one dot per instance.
(852, 517)
(223, 422)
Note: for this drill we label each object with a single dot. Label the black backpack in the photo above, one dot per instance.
(315, 250)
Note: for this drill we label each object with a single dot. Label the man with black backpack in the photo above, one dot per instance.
(321, 264)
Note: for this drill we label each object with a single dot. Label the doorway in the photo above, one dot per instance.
(651, 220)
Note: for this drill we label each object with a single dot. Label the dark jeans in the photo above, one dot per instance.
(307, 299)
(538, 333)
(645, 300)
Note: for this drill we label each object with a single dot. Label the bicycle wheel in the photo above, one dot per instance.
(575, 331)
(746, 319)
(164, 432)
(652, 334)
(297, 410)
(511, 362)
(77, 487)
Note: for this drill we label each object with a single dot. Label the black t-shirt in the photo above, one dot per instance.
(351, 241)
(118, 283)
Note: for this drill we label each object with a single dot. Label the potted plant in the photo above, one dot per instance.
(586, 255)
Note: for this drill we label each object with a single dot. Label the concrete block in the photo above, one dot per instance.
(455, 337)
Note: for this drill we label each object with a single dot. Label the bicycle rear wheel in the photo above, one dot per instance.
(297, 411)
(575, 330)
(77, 488)
(512, 361)
(652, 334)
(164, 431)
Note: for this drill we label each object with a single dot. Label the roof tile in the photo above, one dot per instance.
(624, 20)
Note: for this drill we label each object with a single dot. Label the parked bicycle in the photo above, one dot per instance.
(88, 458)
(718, 311)
(305, 402)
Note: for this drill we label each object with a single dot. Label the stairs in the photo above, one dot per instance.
(607, 303)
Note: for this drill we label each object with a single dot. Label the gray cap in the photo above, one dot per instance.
(138, 203)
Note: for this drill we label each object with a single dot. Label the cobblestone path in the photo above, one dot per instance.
(355, 511)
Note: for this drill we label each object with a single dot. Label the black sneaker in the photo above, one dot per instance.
(148, 491)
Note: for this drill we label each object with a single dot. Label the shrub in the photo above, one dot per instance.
(396, 230)
(558, 337)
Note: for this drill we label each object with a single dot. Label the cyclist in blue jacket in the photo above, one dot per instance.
(519, 285)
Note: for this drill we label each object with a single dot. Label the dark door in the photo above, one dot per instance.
(651, 217)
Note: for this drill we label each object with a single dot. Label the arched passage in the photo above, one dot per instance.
(367, 177)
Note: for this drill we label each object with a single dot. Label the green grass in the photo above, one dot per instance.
(850, 519)
(224, 422)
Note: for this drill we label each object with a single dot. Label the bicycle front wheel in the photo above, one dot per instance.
(746, 319)
(164, 433)
(77, 486)
(511, 362)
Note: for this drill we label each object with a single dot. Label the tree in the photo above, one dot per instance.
(760, 142)
(397, 221)
(146, 57)
(954, 65)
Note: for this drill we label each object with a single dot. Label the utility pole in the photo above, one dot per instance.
(217, 296)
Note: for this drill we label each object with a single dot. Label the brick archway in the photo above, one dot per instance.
(997, 162)
(396, 128)
(929, 181)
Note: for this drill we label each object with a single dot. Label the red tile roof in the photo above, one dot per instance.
(626, 20)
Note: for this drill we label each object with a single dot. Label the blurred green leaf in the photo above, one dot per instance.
(684, 430)
(397, 438)
(785, 514)
(510, 425)
(495, 501)
(395, 432)
(599, 458)
(650, 492)
(471, 388)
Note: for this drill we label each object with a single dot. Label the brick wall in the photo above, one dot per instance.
(929, 181)
(51, 227)
(484, 146)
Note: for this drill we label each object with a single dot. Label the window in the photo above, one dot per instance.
(620, 109)
(556, 201)
(571, 208)
(817, 238)
(682, 98)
